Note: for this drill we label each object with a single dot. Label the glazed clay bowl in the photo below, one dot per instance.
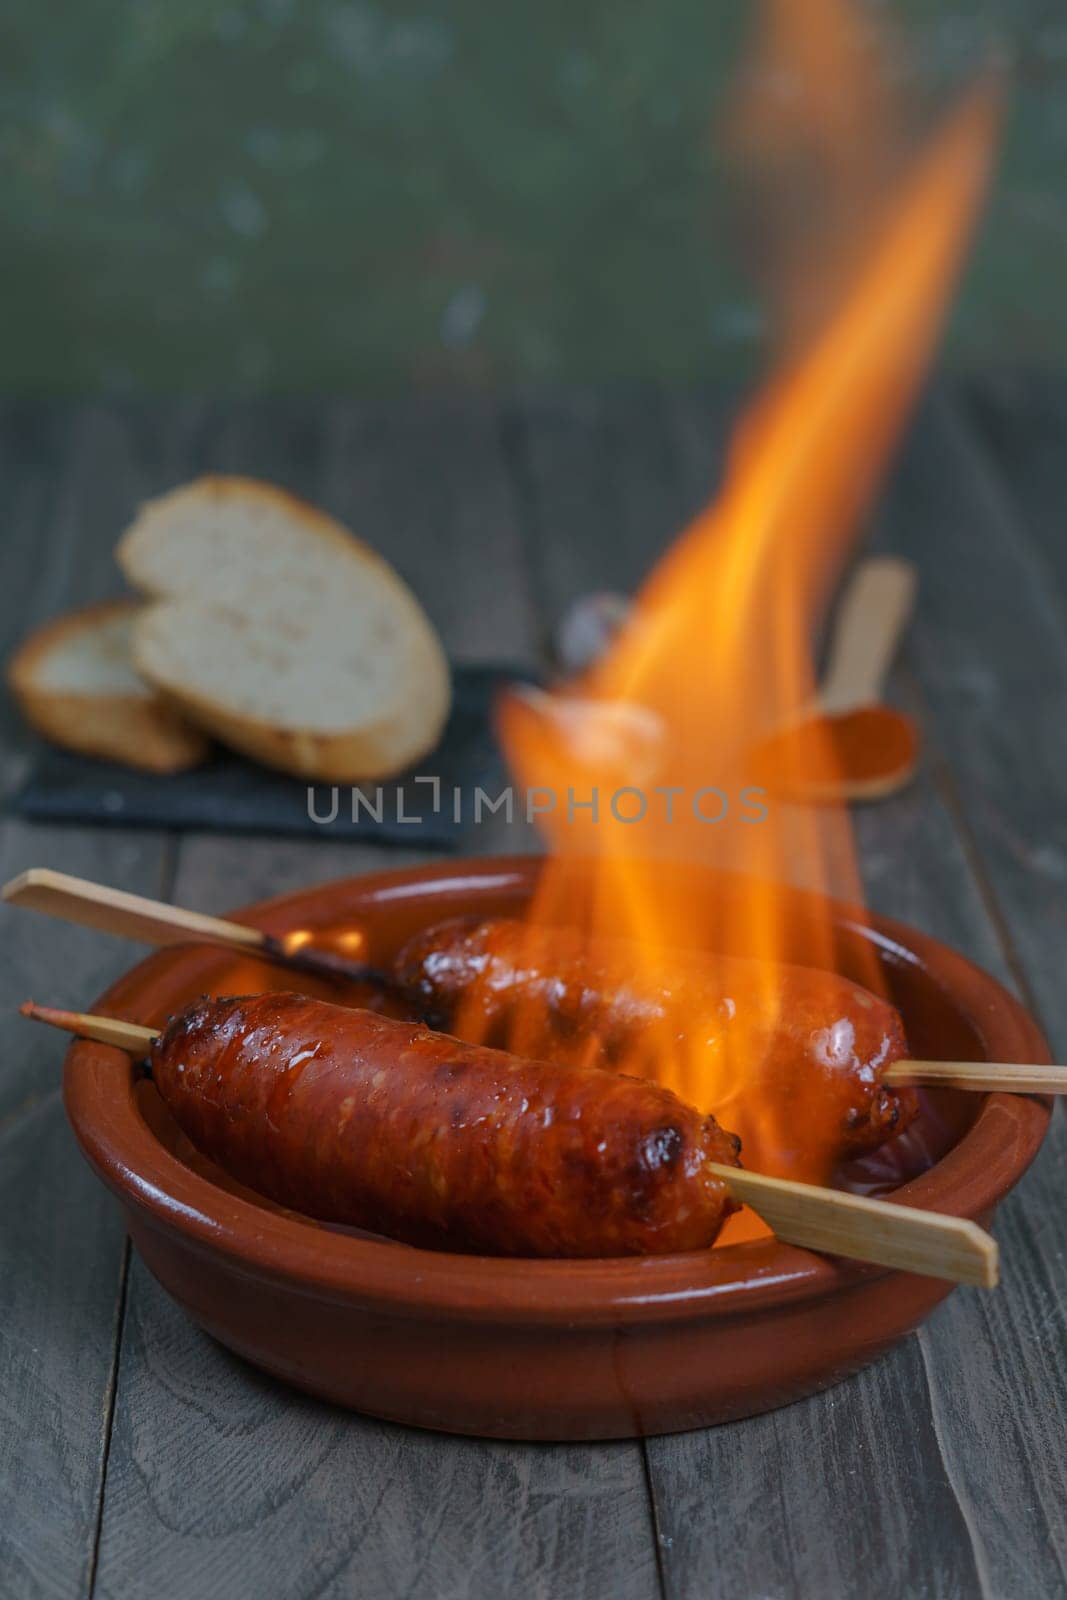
(536, 1349)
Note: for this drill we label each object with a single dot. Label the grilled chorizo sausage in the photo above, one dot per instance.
(357, 1118)
(796, 1072)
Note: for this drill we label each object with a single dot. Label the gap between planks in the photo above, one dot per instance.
(168, 876)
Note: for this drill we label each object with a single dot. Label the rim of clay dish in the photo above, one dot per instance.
(100, 1098)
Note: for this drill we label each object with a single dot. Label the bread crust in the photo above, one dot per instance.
(374, 749)
(217, 487)
(137, 730)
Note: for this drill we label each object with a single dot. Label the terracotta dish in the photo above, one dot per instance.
(536, 1349)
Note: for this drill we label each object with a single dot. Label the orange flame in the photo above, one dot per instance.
(660, 734)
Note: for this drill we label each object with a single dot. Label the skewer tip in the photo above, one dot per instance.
(987, 1255)
(130, 1036)
(53, 1015)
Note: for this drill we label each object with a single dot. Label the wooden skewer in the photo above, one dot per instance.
(1016, 1077)
(854, 1225)
(129, 1036)
(133, 916)
(799, 1213)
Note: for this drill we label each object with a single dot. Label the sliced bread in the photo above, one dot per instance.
(75, 683)
(283, 634)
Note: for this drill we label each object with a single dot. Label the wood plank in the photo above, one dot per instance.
(424, 481)
(990, 652)
(873, 1475)
(72, 476)
(990, 646)
(981, 1442)
(993, 1362)
(816, 1499)
(43, 957)
(985, 1357)
(602, 497)
(77, 474)
(68, 475)
(33, 441)
(923, 1467)
(62, 1266)
(1020, 419)
(220, 1479)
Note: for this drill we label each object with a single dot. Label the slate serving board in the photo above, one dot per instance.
(229, 794)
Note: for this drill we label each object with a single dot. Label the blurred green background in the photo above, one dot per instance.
(269, 195)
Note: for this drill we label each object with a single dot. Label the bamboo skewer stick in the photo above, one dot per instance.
(843, 1224)
(1017, 1077)
(129, 1036)
(132, 916)
(799, 1213)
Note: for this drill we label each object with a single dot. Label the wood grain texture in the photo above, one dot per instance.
(223, 1482)
(62, 1264)
(990, 646)
(601, 496)
(815, 1499)
(31, 442)
(423, 481)
(994, 1364)
(1019, 419)
(989, 650)
(942, 1469)
(427, 483)
(880, 1471)
(68, 477)
(56, 962)
(995, 1380)
(220, 1480)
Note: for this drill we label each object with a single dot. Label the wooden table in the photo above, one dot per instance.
(140, 1459)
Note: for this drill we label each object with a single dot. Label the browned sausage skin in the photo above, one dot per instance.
(806, 1094)
(356, 1118)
